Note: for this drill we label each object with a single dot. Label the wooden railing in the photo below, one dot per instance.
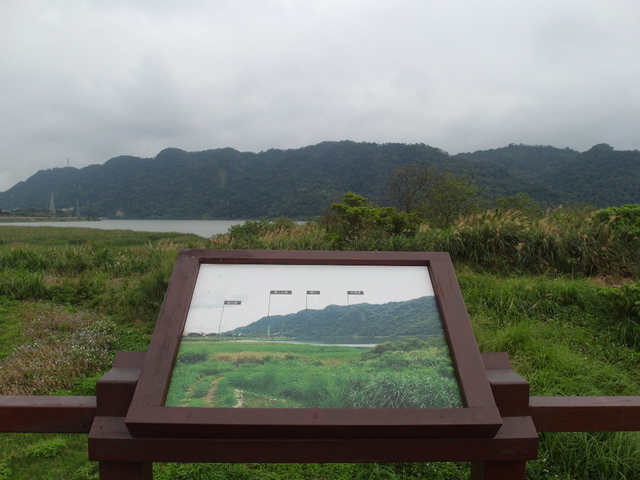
(502, 457)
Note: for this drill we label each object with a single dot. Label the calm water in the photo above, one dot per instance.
(204, 228)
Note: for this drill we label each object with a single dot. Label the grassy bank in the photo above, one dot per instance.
(559, 298)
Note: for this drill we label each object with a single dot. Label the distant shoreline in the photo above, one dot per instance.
(203, 228)
(47, 219)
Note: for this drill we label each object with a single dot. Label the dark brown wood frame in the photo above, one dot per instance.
(148, 417)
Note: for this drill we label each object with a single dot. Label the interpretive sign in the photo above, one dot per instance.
(313, 345)
(385, 350)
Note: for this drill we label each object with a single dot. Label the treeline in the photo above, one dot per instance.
(298, 183)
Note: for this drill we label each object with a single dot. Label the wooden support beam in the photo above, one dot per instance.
(116, 387)
(51, 414)
(111, 441)
(585, 414)
(33, 414)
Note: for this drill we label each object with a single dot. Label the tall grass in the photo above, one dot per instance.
(511, 242)
(560, 336)
(307, 376)
(561, 242)
(114, 272)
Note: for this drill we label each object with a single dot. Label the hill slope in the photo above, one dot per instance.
(300, 183)
(414, 317)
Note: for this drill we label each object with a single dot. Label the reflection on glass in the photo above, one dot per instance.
(313, 336)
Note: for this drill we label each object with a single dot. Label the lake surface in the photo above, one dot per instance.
(204, 228)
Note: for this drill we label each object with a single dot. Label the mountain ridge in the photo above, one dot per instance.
(419, 316)
(301, 183)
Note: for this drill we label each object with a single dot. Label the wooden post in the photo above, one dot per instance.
(511, 393)
(114, 392)
(126, 471)
(498, 470)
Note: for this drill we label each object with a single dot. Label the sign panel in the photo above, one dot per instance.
(366, 345)
(388, 350)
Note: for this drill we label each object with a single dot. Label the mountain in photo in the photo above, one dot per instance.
(419, 316)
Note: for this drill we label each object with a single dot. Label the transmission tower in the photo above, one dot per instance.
(52, 207)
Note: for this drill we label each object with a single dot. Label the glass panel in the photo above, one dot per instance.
(313, 336)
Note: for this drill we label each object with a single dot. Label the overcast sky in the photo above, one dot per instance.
(87, 80)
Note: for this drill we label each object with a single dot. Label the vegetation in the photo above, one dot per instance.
(230, 373)
(356, 218)
(563, 241)
(299, 183)
(558, 291)
(57, 347)
(436, 196)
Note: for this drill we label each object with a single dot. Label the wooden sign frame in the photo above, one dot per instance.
(149, 417)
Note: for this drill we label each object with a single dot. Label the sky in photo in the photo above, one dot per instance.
(83, 82)
(252, 286)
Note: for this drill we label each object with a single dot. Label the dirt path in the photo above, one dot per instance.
(209, 397)
(239, 398)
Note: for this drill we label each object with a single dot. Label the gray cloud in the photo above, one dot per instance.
(88, 81)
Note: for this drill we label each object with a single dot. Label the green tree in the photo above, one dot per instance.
(355, 217)
(434, 195)
(520, 202)
(409, 185)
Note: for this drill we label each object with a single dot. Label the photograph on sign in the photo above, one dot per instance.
(313, 336)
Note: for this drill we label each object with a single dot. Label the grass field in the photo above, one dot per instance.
(569, 326)
(240, 374)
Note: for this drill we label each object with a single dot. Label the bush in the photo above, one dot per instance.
(622, 219)
(356, 220)
(625, 300)
(46, 448)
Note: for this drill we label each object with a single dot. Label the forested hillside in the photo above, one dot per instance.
(414, 317)
(301, 183)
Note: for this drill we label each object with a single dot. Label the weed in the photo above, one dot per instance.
(58, 348)
(46, 448)
(5, 471)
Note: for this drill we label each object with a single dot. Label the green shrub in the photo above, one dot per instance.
(625, 300)
(46, 448)
(89, 471)
(357, 224)
(623, 219)
(5, 471)
(145, 298)
(190, 358)
(202, 388)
